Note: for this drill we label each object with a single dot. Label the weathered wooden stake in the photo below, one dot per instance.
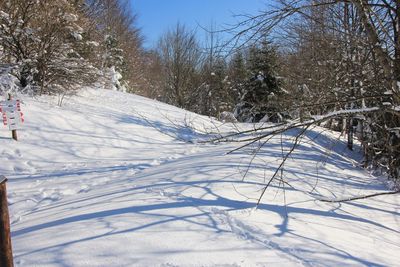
(14, 135)
(350, 133)
(6, 257)
(13, 132)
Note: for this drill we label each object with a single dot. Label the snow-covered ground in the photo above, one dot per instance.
(106, 180)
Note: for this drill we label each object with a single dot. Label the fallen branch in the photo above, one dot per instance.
(295, 144)
(358, 197)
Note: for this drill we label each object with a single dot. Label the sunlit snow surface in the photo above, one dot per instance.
(106, 180)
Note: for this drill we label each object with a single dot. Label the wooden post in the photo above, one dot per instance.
(13, 132)
(6, 257)
(350, 133)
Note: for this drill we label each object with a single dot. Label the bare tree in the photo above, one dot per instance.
(213, 96)
(180, 57)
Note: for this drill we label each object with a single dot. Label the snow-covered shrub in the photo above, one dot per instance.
(44, 39)
(113, 80)
(8, 82)
(226, 116)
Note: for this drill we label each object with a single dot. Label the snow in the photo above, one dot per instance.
(105, 180)
(77, 36)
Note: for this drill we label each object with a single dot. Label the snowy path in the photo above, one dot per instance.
(93, 184)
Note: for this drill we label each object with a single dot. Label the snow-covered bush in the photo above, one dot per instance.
(43, 39)
(8, 82)
(226, 116)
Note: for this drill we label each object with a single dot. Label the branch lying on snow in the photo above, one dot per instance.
(232, 135)
(295, 144)
(283, 127)
(358, 197)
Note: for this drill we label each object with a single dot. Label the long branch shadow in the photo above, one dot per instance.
(196, 203)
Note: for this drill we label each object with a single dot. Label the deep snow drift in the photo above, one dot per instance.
(106, 180)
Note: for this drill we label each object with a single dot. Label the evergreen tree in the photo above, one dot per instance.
(113, 63)
(262, 88)
(219, 83)
(237, 77)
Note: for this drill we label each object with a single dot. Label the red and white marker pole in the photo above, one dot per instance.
(19, 110)
(13, 132)
(4, 119)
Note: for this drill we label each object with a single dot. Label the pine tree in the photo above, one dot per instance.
(237, 77)
(259, 100)
(113, 62)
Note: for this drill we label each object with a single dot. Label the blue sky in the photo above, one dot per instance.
(157, 16)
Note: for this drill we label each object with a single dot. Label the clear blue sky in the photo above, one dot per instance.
(157, 16)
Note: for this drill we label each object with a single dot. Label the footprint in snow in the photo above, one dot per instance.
(84, 189)
(155, 162)
(18, 152)
(8, 155)
(20, 262)
(18, 169)
(15, 219)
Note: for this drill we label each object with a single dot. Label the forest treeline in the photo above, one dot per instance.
(332, 63)
(57, 47)
(60, 46)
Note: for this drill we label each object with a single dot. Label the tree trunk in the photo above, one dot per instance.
(370, 29)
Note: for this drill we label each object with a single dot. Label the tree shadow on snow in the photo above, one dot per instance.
(199, 211)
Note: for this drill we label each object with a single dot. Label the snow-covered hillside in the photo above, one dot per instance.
(106, 180)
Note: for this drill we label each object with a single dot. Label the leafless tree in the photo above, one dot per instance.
(180, 56)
